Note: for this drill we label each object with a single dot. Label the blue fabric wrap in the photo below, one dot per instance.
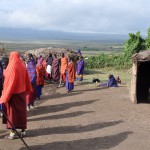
(1, 106)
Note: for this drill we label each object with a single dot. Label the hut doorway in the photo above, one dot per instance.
(143, 82)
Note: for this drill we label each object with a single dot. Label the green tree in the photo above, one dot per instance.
(133, 45)
(147, 40)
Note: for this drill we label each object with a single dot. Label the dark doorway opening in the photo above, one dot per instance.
(143, 82)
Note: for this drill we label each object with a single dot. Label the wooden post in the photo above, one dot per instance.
(133, 83)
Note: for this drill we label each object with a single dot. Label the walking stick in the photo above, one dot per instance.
(1, 110)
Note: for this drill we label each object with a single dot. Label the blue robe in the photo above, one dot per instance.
(80, 70)
(112, 82)
(69, 86)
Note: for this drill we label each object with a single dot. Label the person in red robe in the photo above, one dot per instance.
(63, 67)
(70, 75)
(55, 69)
(40, 71)
(16, 86)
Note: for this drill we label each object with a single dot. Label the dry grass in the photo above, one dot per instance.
(102, 74)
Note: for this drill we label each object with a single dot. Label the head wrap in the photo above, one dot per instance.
(79, 52)
(40, 60)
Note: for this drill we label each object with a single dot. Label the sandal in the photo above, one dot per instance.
(11, 136)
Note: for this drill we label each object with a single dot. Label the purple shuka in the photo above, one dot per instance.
(31, 67)
(80, 70)
(112, 82)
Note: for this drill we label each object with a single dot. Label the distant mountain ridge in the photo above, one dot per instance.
(12, 34)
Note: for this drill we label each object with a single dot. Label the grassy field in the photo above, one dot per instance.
(103, 73)
(85, 46)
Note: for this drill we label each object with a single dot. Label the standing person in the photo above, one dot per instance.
(63, 67)
(40, 70)
(1, 82)
(49, 67)
(5, 62)
(80, 69)
(79, 52)
(55, 69)
(70, 75)
(31, 67)
(44, 63)
(16, 86)
(1, 78)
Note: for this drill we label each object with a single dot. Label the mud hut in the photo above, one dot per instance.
(140, 84)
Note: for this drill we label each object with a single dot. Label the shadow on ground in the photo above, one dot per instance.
(50, 92)
(61, 116)
(72, 129)
(59, 107)
(56, 95)
(97, 143)
(2, 131)
(91, 89)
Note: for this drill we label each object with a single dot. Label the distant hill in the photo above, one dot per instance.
(17, 34)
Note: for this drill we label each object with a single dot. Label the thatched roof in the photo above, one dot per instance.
(141, 56)
(45, 52)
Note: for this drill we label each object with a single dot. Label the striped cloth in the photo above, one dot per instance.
(64, 64)
(71, 72)
(80, 67)
(31, 67)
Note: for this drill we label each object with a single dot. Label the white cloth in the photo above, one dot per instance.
(49, 69)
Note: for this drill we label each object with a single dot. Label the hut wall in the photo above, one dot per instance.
(133, 84)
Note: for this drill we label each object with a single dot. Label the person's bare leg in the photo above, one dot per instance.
(60, 82)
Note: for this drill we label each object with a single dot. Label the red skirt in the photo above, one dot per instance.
(16, 112)
(63, 77)
(30, 98)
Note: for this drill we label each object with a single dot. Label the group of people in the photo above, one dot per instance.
(22, 82)
(53, 70)
(69, 71)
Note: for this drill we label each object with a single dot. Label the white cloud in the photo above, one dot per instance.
(117, 16)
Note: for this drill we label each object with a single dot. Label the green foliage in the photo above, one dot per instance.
(133, 45)
(116, 61)
(147, 40)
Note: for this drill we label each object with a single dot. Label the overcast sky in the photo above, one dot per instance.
(102, 16)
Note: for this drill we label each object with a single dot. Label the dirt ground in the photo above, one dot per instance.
(89, 118)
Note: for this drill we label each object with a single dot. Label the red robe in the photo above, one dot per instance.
(55, 69)
(40, 70)
(71, 72)
(16, 86)
(64, 63)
